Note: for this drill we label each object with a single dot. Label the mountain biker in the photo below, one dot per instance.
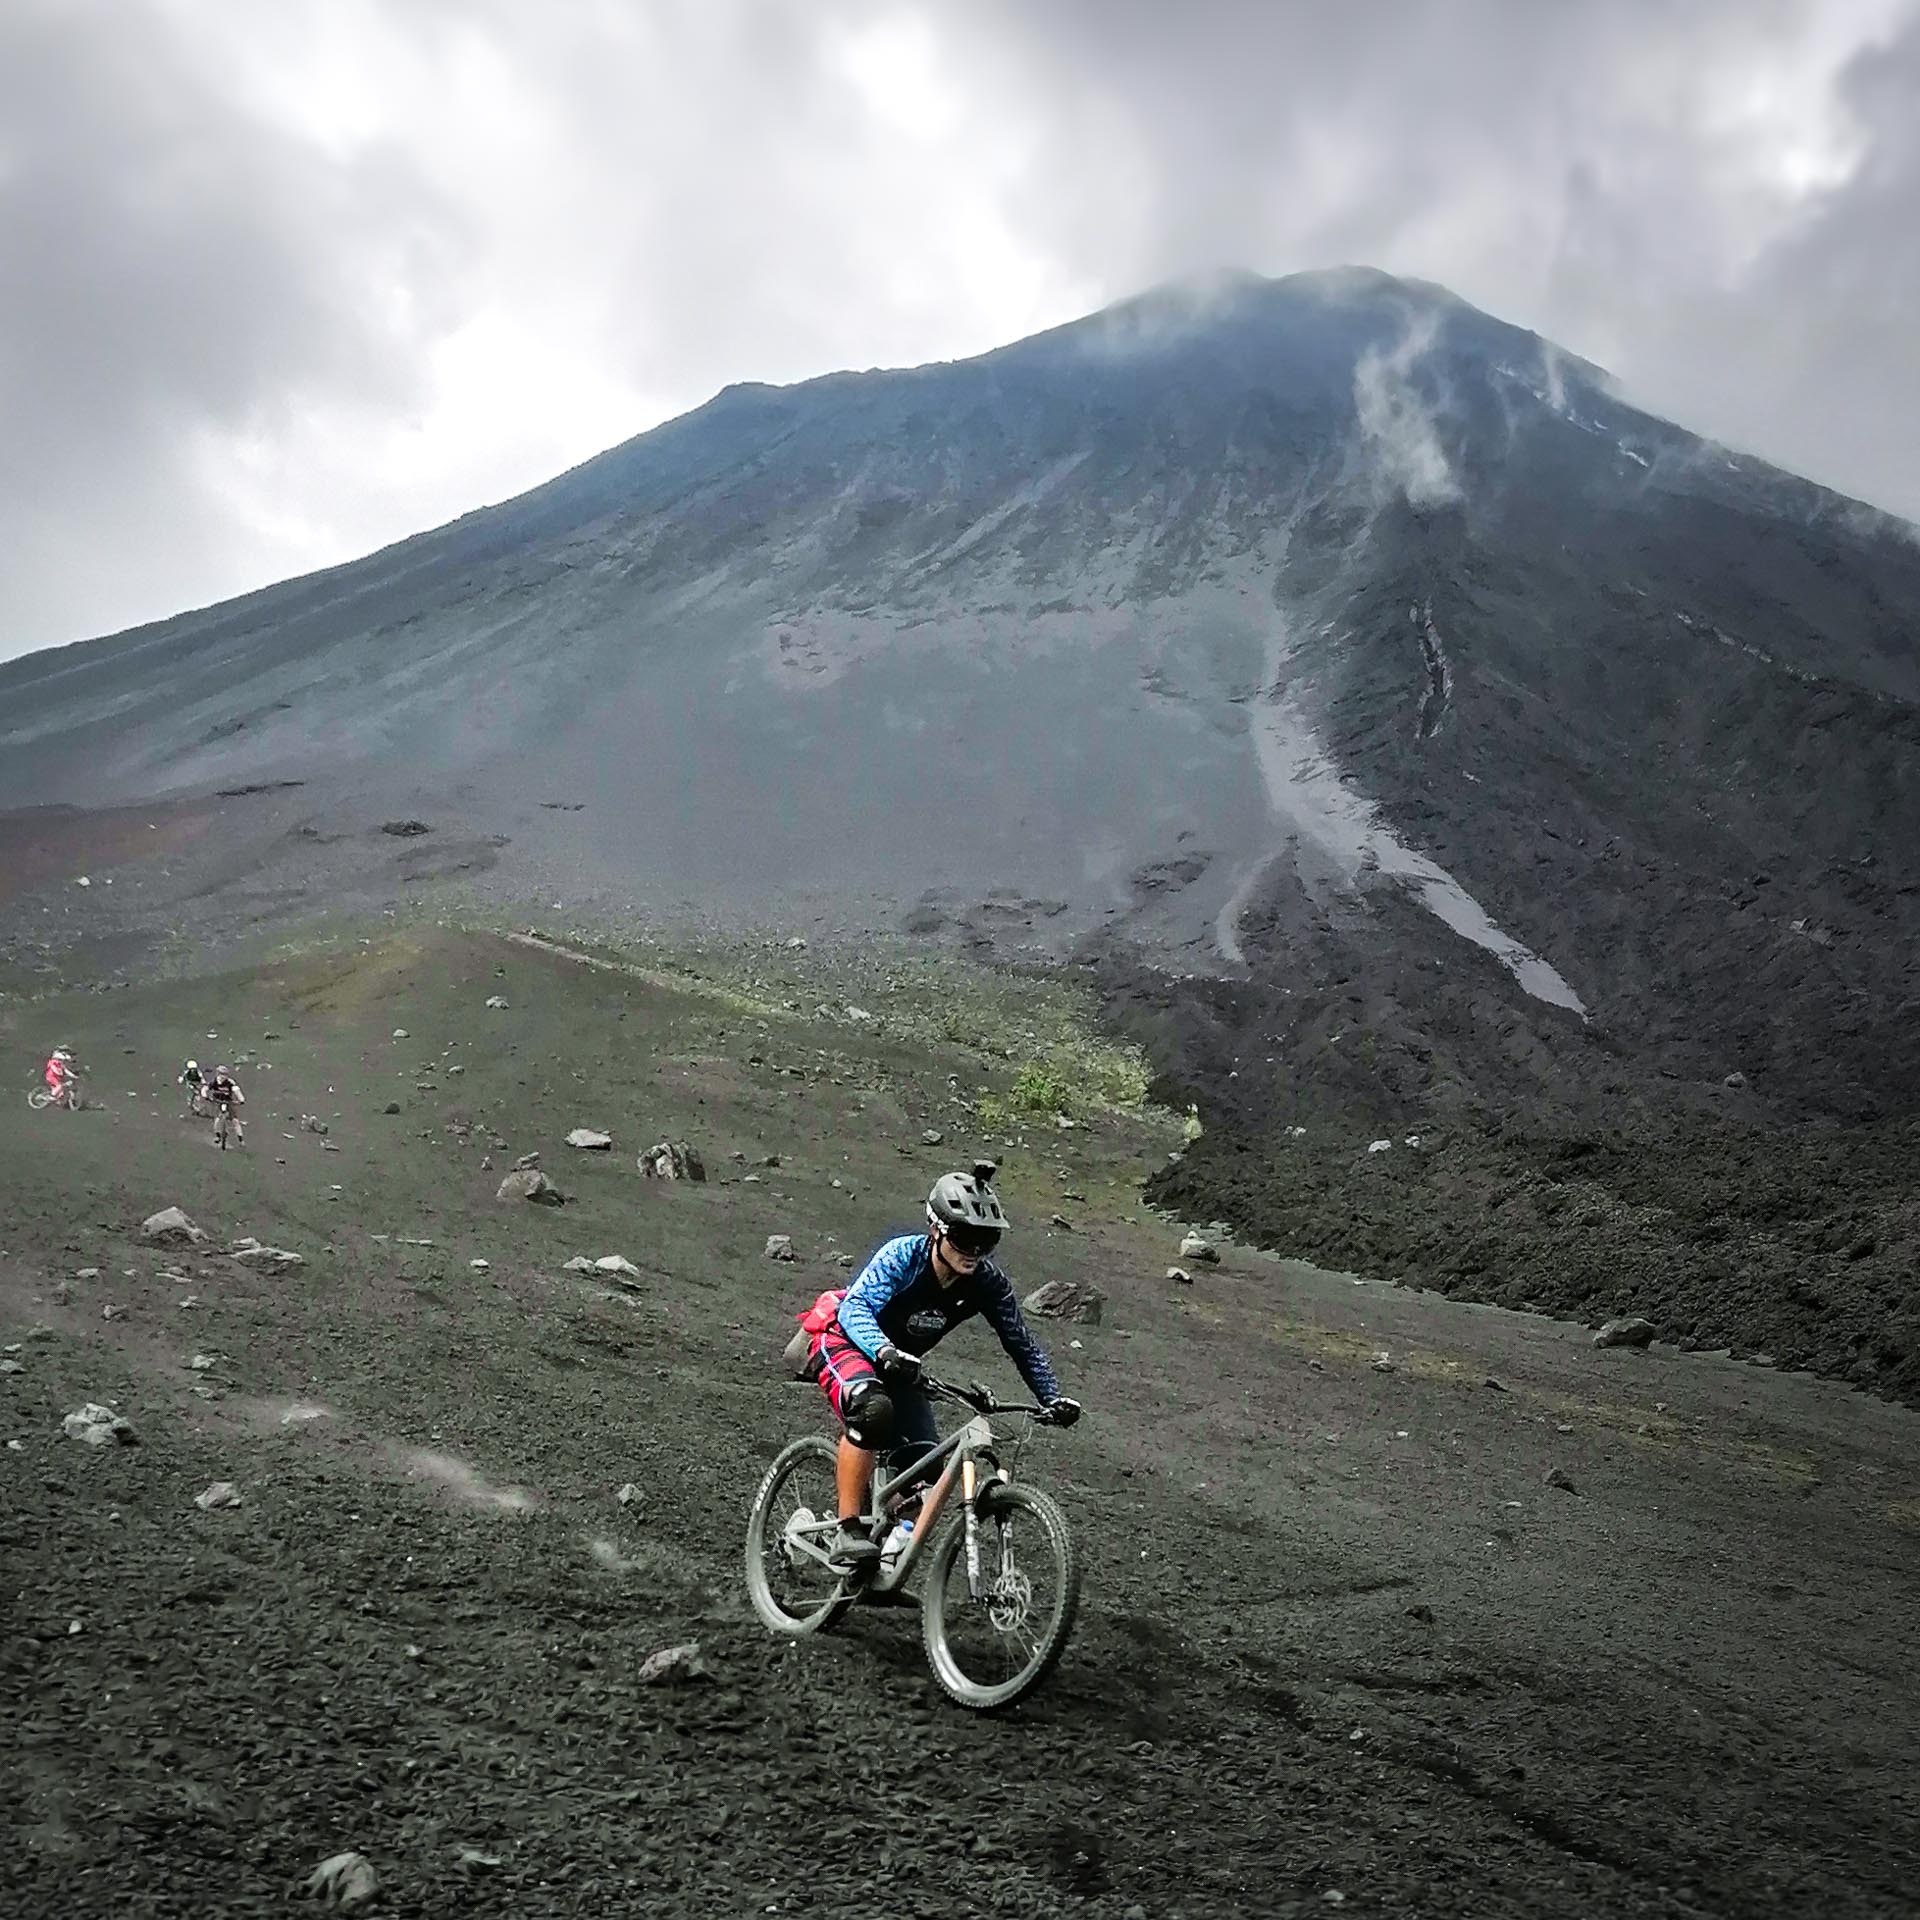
(911, 1295)
(226, 1097)
(60, 1071)
(194, 1081)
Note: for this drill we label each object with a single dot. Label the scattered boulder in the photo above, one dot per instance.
(779, 1246)
(629, 1495)
(1180, 1275)
(312, 1123)
(618, 1265)
(1383, 1362)
(93, 1273)
(1557, 1478)
(1378, 1146)
(480, 1266)
(392, 1106)
(1067, 1300)
(932, 1137)
(1196, 1246)
(203, 1363)
(404, 830)
(223, 1493)
(99, 1426)
(251, 1253)
(170, 1227)
(579, 1264)
(673, 1160)
(347, 1879)
(1061, 1221)
(1735, 1080)
(400, 1033)
(525, 1160)
(1633, 1331)
(590, 1139)
(673, 1666)
(530, 1184)
(497, 1002)
(11, 1366)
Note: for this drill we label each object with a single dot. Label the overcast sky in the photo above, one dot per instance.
(282, 282)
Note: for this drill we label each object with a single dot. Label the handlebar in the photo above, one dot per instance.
(981, 1399)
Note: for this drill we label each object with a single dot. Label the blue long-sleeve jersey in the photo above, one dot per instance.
(899, 1301)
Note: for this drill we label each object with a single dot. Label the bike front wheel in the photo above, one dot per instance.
(991, 1649)
(793, 1513)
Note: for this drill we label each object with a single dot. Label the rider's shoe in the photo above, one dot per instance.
(850, 1551)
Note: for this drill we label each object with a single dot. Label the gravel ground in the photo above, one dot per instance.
(1341, 1637)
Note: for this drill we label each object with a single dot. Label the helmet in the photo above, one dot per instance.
(219, 1073)
(965, 1206)
(62, 1053)
(193, 1066)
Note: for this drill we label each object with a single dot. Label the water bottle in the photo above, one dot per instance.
(895, 1543)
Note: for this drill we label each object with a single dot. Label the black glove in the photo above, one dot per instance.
(1062, 1412)
(898, 1366)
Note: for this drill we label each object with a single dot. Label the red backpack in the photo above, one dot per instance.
(813, 1323)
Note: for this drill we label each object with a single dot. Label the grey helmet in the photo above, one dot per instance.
(966, 1206)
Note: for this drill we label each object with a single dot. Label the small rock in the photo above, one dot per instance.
(251, 1253)
(475, 1861)
(223, 1493)
(1422, 1612)
(530, 1184)
(1735, 1080)
(312, 1123)
(628, 1494)
(203, 1363)
(1633, 1331)
(345, 1880)
(1196, 1246)
(796, 944)
(590, 1139)
(11, 1366)
(170, 1226)
(779, 1246)
(392, 1106)
(672, 1666)
(579, 1264)
(932, 1137)
(112, 1312)
(526, 1159)
(618, 1265)
(497, 1002)
(98, 1426)
(1180, 1276)
(1496, 1385)
(1379, 1146)
(399, 1033)
(1383, 1362)
(88, 1273)
(1061, 1221)
(1067, 1300)
(1557, 1478)
(673, 1160)
(486, 1163)
(479, 1266)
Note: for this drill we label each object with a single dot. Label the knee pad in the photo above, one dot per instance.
(867, 1414)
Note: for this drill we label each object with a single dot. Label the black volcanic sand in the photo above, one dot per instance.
(1339, 1634)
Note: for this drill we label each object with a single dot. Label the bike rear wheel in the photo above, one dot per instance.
(39, 1099)
(797, 1504)
(990, 1652)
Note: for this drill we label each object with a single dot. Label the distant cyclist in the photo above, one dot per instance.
(195, 1083)
(227, 1100)
(62, 1076)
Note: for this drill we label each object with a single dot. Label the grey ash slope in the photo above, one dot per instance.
(1248, 619)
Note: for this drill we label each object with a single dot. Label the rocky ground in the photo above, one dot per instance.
(1344, 1644)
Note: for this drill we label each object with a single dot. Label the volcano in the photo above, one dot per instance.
(1307, 624)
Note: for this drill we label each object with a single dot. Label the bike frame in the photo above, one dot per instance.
(971, 1463)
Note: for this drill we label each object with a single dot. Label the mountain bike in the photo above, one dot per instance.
(42, 1097)
(225, 1124)
(1002, 1578)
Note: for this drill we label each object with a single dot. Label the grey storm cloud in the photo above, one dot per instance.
(280, 284)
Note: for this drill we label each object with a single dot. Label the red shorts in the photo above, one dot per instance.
(840, 1364)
